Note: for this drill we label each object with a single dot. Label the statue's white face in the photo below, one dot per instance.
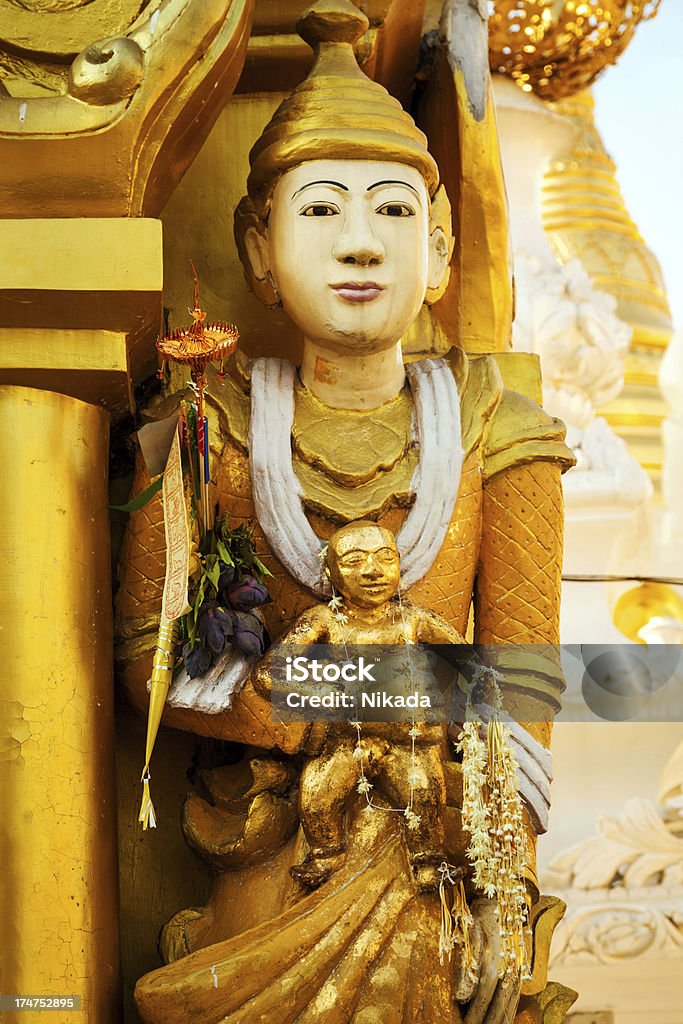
(349, 251)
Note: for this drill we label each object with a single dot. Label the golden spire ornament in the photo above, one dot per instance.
(198, 345)
(555, 48)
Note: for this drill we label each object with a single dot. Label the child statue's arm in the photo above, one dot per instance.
(432, 629)
(310, 628)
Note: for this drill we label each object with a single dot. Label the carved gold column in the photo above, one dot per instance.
(60, 905)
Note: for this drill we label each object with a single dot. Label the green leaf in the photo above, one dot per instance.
(224, 554)
(141, 499)
(260, 567)
(199, 600)
(213, 569)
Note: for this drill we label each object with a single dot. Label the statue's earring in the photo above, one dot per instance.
(277, 301)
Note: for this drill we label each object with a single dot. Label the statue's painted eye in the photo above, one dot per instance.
(319, 210)
(396, 210)
(351, 559)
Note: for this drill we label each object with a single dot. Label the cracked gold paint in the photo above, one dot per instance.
(60, 908)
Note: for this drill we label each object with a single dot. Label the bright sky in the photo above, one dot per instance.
(639, 113)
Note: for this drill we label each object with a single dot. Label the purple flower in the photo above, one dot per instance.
(197, 659)
(248, 593)
(216, 626)
(227, 579)
(250, 634)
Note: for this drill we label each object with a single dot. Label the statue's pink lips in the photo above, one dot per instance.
(358, 291)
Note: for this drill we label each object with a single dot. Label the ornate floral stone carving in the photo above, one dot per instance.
(623, 887)
(576, 332)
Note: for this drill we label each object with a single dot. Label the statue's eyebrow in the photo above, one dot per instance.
(337, 184)
(366, 551)
(405, 183)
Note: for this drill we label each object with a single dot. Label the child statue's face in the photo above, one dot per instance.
(364, 564)
(349, 249)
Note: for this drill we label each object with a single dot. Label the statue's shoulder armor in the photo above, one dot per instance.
(521, 431)
(508, 427)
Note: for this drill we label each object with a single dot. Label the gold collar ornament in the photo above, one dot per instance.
(278, 495)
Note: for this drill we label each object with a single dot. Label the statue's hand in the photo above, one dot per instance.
(490, 1000)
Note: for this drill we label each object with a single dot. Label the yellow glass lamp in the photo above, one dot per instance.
(637, 607)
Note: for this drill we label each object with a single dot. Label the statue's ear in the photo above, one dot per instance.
(251, 235)
(441, 244)
(257, 250)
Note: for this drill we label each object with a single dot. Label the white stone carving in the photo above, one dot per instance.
(624, 886)
(560, 316)
(634, 850)
(605, 473)
(575, 331)
(614, 930)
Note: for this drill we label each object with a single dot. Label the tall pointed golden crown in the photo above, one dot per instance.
(337, 112)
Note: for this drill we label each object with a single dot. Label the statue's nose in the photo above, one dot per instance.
(357, 242)
(371, 570)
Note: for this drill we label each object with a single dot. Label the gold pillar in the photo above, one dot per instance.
(57, 816)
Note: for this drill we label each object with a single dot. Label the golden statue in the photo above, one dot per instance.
(406, 760)
(346, 227)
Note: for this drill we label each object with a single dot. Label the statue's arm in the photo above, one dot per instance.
(517, 597)
(432, 629)
(517, 600)
(518, 583)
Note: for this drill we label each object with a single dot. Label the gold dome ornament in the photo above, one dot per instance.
(557, 47)
(585, 217)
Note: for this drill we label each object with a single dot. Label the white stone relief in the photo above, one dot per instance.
(560, 316)
(575, 331)
(624, 886)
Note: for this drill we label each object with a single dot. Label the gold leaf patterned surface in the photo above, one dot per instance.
(352, 447)
(362, 949)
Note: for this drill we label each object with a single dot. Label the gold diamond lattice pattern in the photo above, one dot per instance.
(557, 47)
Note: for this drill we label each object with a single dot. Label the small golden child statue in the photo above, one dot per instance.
(404, 759)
